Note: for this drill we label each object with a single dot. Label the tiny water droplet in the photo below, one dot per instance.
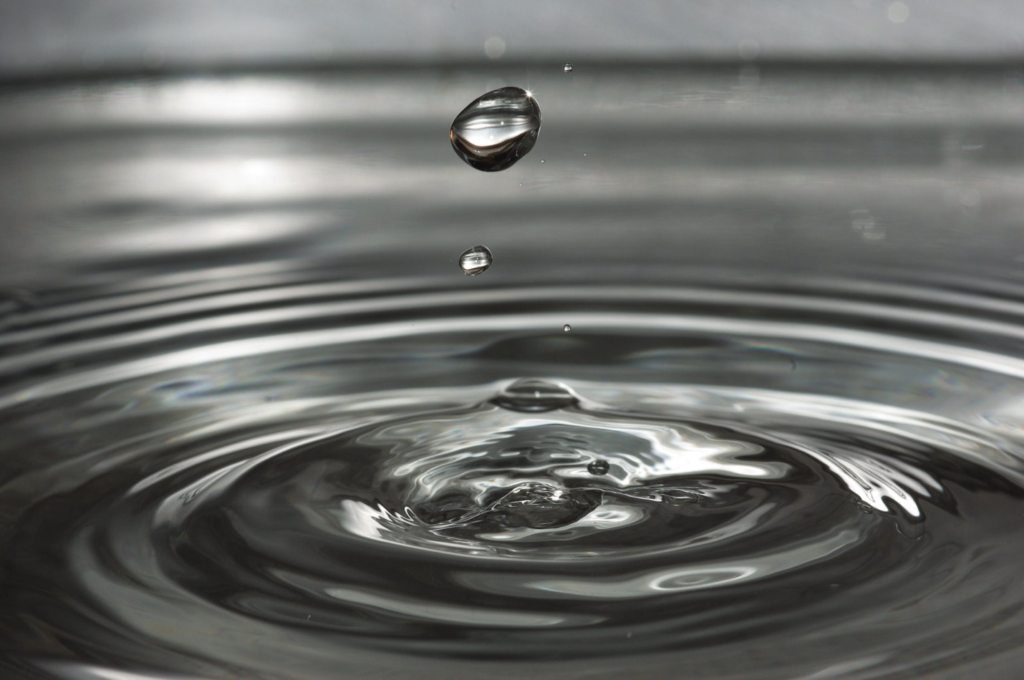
(584, 155)
(599, 467)
(541, 160)
(497, 129)
(533, 395)
(568, 67)
(475, 261)
(566, 328)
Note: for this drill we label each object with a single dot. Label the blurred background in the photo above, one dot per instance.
(68, 38)
(139, 139)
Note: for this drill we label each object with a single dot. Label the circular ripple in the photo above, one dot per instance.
(486, 519)
(372, 497)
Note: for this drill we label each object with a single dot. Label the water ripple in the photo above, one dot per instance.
(408, 477)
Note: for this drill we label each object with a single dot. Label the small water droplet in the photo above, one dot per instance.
(584, 155)
(497, 129)
(566, 328)
(599, 467)
(568, 67)
(475, 261)
(533, 395)
(541, 160)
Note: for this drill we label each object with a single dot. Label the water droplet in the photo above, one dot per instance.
(568, 67)
(541, 160)
(566, 328)
(533, 395)
(584, 155)
(599, 467)
(496, 130)
(475, 261)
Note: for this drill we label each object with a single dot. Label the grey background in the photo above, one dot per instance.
(61, 37)
(822, 137)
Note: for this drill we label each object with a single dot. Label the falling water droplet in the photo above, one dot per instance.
(533, 395)
(568, 67)
(599, 467)
(566, 328)
(496, 130)
(475, 261)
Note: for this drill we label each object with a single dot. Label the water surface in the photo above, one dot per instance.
(257, 423)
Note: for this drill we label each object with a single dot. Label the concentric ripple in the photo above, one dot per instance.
(397, 479)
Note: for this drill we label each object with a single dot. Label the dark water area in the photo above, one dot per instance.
(738, 395)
